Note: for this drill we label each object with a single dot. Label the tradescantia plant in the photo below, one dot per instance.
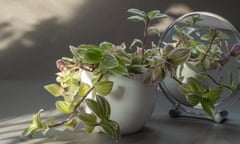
(153, 62)
(200, 50)
(203, 54)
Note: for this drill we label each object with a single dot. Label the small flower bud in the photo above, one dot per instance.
(60, 64)
(118, 47)
(235, 51)
(224, 58)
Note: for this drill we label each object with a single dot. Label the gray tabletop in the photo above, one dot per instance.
(21, 99)
(33, 35)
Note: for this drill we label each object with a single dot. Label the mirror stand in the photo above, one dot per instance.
(180, 111)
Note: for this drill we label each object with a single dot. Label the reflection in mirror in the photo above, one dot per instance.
(207, 82)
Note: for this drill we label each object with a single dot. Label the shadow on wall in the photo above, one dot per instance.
(32, 55)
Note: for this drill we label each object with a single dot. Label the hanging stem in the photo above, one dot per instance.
(218, 83)
(75, 110)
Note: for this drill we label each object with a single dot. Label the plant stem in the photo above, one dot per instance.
(177, 80)
(75, 110)
(211, 78)
(87, 68)
(210, 45)
(145, 36)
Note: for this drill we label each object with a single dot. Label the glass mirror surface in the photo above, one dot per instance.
(214, 61)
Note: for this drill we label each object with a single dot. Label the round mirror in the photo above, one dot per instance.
(207, 82)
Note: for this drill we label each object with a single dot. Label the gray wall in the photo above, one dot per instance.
(34, 34)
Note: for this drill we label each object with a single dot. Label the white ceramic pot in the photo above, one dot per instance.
(132, 103)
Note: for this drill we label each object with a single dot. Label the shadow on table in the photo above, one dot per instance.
(158, 130)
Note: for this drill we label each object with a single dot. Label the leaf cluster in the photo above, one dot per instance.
(100, 60)
(198, 93)
(142, 16)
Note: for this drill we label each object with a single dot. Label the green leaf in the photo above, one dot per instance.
(109, 62)
(137, 69)
(83, 89)
(107, 46)
(116, 128)
(136, 18)
(160, 16)
(37, 119)
(64, 107)
(103, 88)
(45, 128)
(111, 128)
(157, 73)
(54, 89)
(93, 55)
(194, 85)
(90, 54)
(136, 60)
(88, 119)
(74, 50)
(120, 69)
(223, 35)
(135, 42)
(73, 85)
(193, 98)
(201, 48)
(196, 18)
(148, 78)
(36, 124)
(30, 130)
(167, 49)
(93, 105)
(137, 12)
(68, 59)
(88, 46)
(72, 124)
(213, 94)
(178, 56)
(64, 76)
(206, 37)
(123, 57)
(104, 106)
(183, 90)
(208, 107)
(154, 14)
(89, 129)
(154, 30)
(201, 76)
(189, 30)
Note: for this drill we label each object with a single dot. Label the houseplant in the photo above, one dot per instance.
(151, 63)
